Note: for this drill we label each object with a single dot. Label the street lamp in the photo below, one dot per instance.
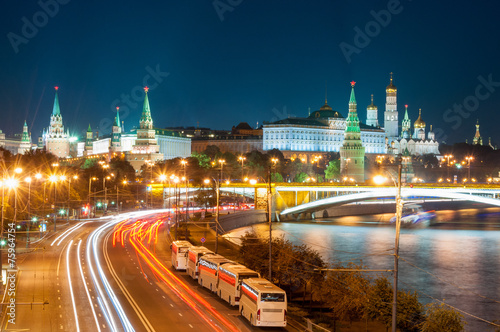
(184, 163)
(242, 159)
(176, 181)
(217, 190)
(469, 159)
(28, 181)
(269, 217)
(53, 178)
(162, 178)
(448, 156)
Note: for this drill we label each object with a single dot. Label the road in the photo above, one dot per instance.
(91, 282)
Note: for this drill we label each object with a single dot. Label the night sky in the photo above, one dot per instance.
(248, 61)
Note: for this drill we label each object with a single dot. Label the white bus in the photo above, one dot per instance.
(263, 303)
(180, 254)
(230, 278)
(194, 254)
(208, 267)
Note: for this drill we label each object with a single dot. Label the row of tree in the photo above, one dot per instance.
(350, 296)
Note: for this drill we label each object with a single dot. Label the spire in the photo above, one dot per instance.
(146, 120)
(25, 137)
(56, 110)
(117, 117)
(353, 97)
(89, 130)
(326, 92)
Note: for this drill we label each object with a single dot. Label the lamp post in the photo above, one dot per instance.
(448, 156)
(184, 163)
(242, 159)
(53, 179)
(162, 178)
(269, 217)
(176, 181)
(75, 177)
(399, 210)
(469, 159)
(28, 181)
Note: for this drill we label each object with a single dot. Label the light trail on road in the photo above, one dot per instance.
(67, 232)
(142, 231)
(75, 312)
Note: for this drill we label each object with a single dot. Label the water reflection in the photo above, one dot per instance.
(457, 261)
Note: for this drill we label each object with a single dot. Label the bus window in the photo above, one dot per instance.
(272, 297)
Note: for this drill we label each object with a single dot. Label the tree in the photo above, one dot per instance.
(202, 159)
(346, 293)
(300, 177)
(212, 151)
(439, 317)
(332, 171)
(276, 177)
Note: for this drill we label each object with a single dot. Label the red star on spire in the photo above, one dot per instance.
(146, 89)
(56, 87)
(352, 83)
(117, 108)
(406, 105)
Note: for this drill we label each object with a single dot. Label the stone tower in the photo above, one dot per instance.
(372, 115)
(55, 138)
(352, 152)
(117, 133)
(391, 112)
(406, 125)
(477, 140)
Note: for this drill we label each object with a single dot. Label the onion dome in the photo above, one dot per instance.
(391, 87)
(419, 123)
(371, 106)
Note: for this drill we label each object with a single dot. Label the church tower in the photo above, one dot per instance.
(419, 127)
(405, 126)
(117, 133)
(88, 142)
(55, 139)
(25, 140)
(372, 115)
(477, 140)
(391, 111)
(352, 152)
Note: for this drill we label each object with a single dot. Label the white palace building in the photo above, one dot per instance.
(323, 131)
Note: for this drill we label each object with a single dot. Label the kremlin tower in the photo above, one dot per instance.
(117, 132)
(477, 140)
(352, 152)
(56, 141)
(146, 147)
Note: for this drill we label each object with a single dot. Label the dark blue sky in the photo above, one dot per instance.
(263, 61)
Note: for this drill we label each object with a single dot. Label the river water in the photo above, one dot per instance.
(456, 261)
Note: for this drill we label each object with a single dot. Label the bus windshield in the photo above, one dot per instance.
(183, 249)
(272, 297)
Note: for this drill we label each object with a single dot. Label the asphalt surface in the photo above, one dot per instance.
(61, 277)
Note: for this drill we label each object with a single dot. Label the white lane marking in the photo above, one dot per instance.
(86, 288)
(71, 287)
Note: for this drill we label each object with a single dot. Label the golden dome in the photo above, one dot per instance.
(419, 123)
(371, 106)
(391, 87)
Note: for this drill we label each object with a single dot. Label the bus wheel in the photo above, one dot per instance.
(251, 320)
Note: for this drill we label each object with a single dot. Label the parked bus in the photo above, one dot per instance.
(208, 267)
(263, 303)
(180, 254)
(230, 278)
(194, 254)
